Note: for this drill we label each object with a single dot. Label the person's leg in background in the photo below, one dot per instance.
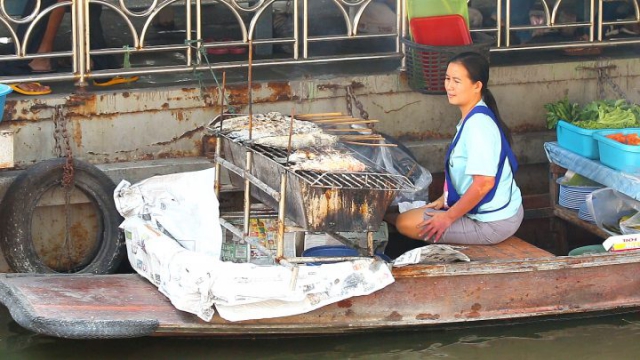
(98, 41)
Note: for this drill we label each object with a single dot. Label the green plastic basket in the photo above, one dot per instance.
(426, 8)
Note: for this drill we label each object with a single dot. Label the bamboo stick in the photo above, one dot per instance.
(334, 119)
(349, 130)
(349, 122)
(370, 144)
(318, 115)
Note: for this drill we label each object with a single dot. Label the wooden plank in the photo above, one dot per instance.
(511, 249)
(571, 216)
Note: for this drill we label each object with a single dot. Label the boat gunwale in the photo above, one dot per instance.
(519, 265)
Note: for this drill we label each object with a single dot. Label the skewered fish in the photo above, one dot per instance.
(334, 161)
(271, 124)
(298, 141)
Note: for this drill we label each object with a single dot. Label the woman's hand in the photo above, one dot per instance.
(436, 204)
(434, 227)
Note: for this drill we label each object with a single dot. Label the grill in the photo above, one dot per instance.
(316, 201)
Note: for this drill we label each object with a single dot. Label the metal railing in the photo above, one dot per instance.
(302, 17)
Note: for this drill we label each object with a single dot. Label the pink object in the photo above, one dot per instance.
(446, 30)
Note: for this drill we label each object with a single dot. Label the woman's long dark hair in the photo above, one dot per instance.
(478, 68)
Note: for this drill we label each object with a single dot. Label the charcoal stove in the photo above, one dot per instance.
(317, 201)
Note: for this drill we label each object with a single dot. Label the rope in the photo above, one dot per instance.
(200, 77)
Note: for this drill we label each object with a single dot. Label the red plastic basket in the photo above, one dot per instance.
(446, 30)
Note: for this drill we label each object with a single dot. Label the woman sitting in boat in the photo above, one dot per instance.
(481, 203)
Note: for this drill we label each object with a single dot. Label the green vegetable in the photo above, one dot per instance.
(561, 110)
(609, 114)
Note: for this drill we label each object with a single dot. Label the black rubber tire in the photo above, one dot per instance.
(24, 193)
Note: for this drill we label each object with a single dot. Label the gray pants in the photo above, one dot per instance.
(466, 231)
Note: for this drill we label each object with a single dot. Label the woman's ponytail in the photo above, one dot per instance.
(491, 103)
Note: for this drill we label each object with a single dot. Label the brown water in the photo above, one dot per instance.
(614, 337)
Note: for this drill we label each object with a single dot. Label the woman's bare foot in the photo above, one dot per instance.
(40, 65)
(31, 88)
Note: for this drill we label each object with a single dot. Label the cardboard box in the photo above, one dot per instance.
(622, 242)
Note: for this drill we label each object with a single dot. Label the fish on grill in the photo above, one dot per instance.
(331, 161)
(298, 141)
(272, 124)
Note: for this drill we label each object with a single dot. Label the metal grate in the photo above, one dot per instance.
(356, 180)
(372, 179)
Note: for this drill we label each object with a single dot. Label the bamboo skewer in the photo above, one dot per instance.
(347, 122)
(370, 144)
(363, 130)
(333, 119)
(305, 116)
(361, 137)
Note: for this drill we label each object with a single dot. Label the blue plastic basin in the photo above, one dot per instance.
(335, 251)
(4, 91)
(617, 155)
(578, 140)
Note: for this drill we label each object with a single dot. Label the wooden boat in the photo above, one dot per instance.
(510, 281)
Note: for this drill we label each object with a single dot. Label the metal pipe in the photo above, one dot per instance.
(245, 174)
(187, 12)
(282, 207)
(218, 140)
(247, 191)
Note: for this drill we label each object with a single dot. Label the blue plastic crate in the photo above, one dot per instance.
(578, 140)
(4, 91)
(617, 155)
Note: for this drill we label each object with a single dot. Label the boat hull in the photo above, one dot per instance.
(119, 306)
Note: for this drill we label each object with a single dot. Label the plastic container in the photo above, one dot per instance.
(446, 30)
(588, 250)
(425, 8)
(578, 140)
(4, 91)
(617, 155)
(335, 251)
(427, 64)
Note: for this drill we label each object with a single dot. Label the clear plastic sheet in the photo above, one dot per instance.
(399, 161)
(625, 183)
(608, 206)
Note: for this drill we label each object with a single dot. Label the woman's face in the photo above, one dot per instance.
(461, 90)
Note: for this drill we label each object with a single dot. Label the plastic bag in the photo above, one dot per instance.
(631, 225)
(608, 206)
(399, 160)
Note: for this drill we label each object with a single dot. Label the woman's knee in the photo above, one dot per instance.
(406, 223)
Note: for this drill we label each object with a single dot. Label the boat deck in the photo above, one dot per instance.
(511, 249)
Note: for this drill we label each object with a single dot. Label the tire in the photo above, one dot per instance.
(24, 194)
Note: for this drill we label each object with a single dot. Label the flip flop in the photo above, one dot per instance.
(19, 90)
(115, 81)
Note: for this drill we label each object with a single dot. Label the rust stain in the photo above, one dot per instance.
(165, 106)
(281, 91)
(83, 104)
(475, 311)
(394, 316)
(187, 134)
(427, 316)
(345, 304)
(178, 115)
(126, 94)
(77, 133)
